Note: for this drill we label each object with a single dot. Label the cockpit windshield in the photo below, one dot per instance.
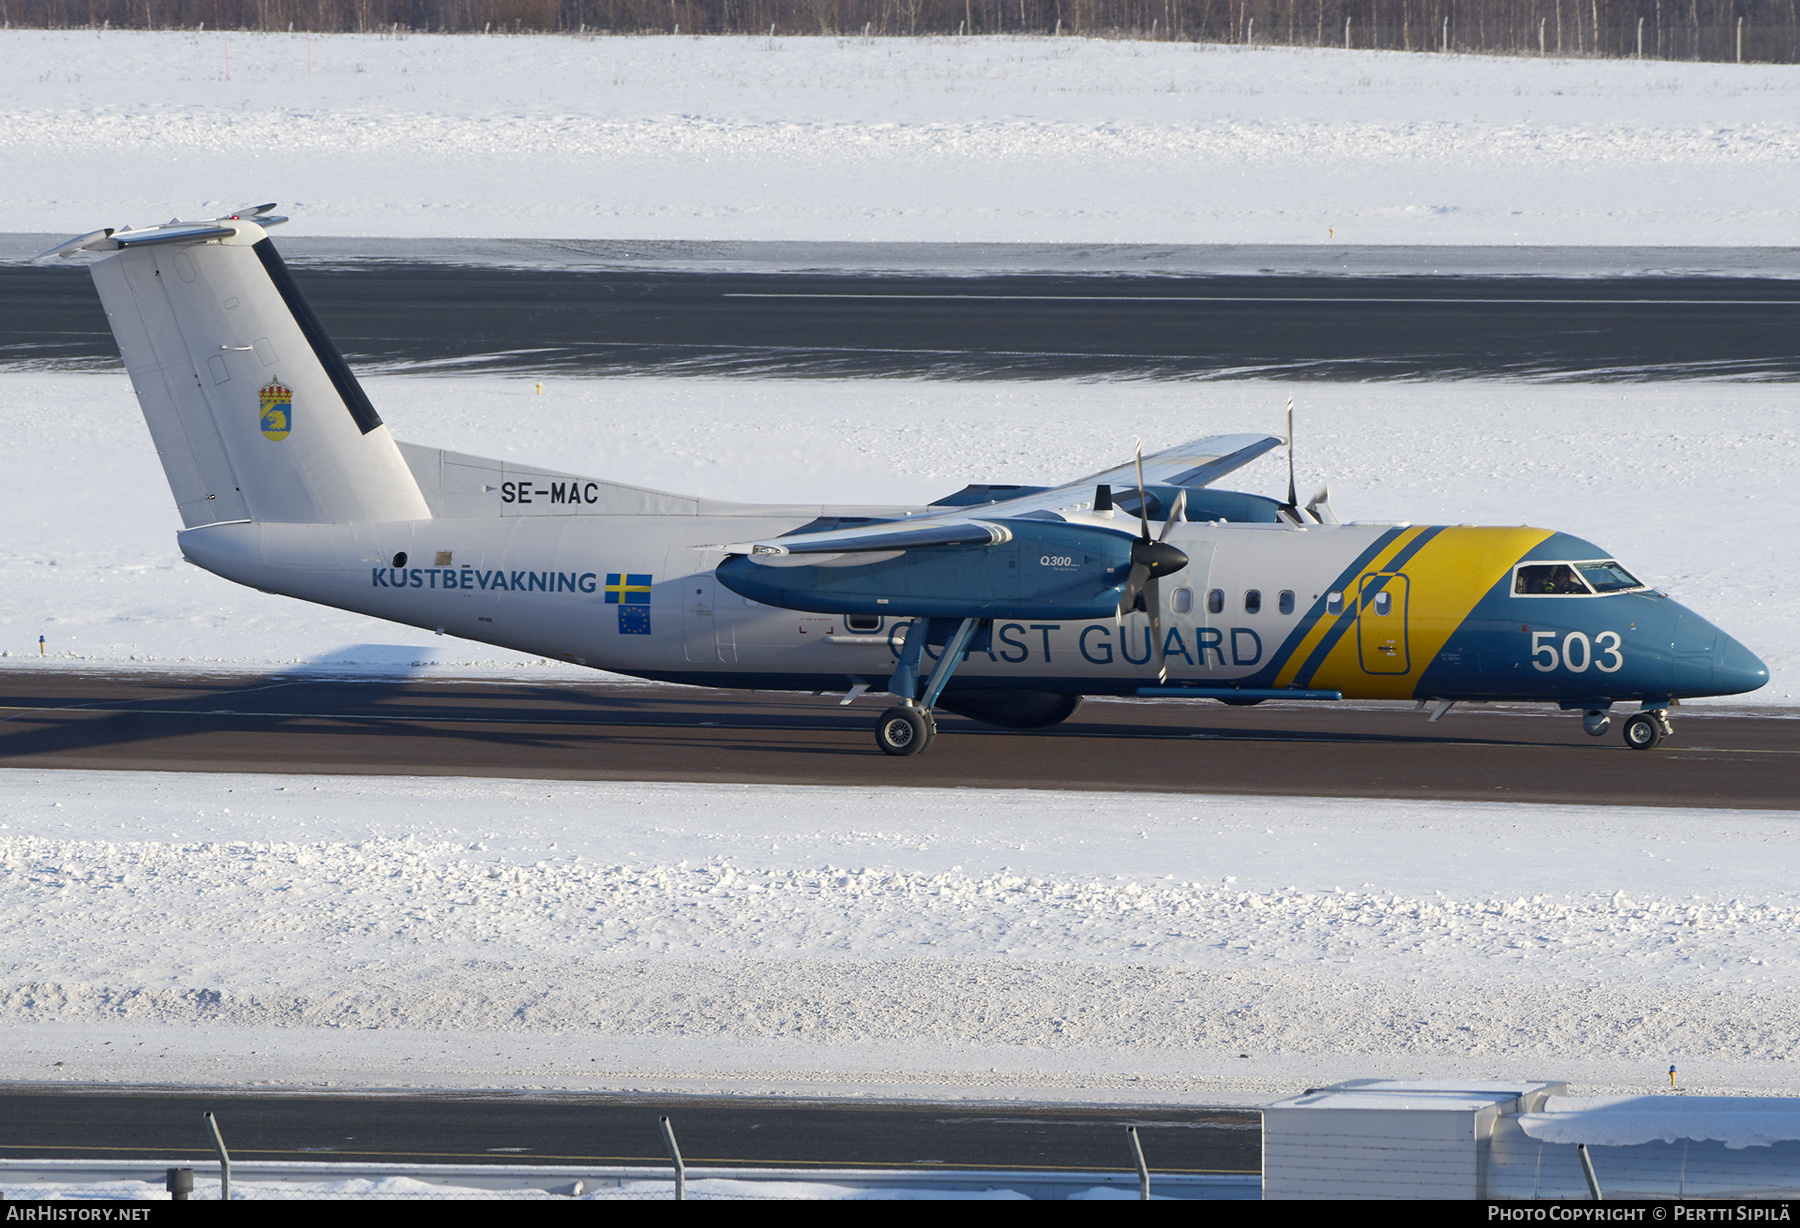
(1608, 577)
(1572, 579)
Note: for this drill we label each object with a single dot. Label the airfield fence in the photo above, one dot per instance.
(179, 1178)
(1762, 31)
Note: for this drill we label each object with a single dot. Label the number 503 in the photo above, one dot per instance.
(1577, 653)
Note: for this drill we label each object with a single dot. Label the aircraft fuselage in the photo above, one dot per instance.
(1371, 611)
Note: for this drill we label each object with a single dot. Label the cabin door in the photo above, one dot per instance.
(1381, 603)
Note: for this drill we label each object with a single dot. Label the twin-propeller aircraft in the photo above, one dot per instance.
(1006, 604)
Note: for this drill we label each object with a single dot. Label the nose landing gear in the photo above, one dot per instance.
(1645, 730)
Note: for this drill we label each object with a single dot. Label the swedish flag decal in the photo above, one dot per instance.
(631, 593)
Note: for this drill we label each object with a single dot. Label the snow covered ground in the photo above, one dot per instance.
(1695, 486)
(329, 932)
(1017, 139)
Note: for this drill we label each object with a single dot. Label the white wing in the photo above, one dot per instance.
(1192, 465)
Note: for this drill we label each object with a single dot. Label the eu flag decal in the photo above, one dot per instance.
(631, 593)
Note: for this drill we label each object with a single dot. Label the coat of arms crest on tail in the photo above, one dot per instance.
(277, 410)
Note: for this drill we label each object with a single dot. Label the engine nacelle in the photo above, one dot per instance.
(1047, 570)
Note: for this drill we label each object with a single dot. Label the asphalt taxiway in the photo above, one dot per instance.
(1149, 320)
(635, 731)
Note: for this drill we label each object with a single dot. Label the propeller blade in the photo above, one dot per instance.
(1320, 506)
(1153, 603)
(1293, 499)
(1176, 513)
(1134, 584)
(1151, 558)
(1143, 498)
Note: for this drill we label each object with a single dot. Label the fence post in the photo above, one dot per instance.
(1740, 40)
(1137, 1153)
(668, 1133)
(1587, 1170)
(224, 1158)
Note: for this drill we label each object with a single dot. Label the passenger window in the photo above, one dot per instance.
(1334, 603)
(1253, 601)
(863, 624)
(1286, 601)
(1383, 603)
(1215, 601)
(1182, 601)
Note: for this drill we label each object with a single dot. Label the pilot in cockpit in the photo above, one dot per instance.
(1557, 579)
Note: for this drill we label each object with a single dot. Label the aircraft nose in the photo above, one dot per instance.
(1738, 670)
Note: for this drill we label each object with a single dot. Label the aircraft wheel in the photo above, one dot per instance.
(1643, 731)
(904, 731)
(1595, 722)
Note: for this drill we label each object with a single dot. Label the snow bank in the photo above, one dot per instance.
(383, 1189)
(996, 139)
(1626, 1121)
(324, 931)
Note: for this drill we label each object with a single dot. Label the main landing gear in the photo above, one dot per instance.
(908, 727)
(905, 730)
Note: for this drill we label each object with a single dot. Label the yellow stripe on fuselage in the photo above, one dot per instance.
(1444, 581)
(1323, 628)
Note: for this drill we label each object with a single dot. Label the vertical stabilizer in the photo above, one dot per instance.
(253, 410)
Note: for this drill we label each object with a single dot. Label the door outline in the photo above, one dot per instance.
(1381, 638)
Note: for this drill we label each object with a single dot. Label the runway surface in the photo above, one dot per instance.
(666, 733)
(620, 1130)
(662, 318)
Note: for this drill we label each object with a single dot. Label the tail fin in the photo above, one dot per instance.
(253, 410)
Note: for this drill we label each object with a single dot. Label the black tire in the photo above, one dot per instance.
(904, 731)
(1642, 731)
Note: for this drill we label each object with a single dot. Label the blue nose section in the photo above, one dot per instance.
(1738, 670)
